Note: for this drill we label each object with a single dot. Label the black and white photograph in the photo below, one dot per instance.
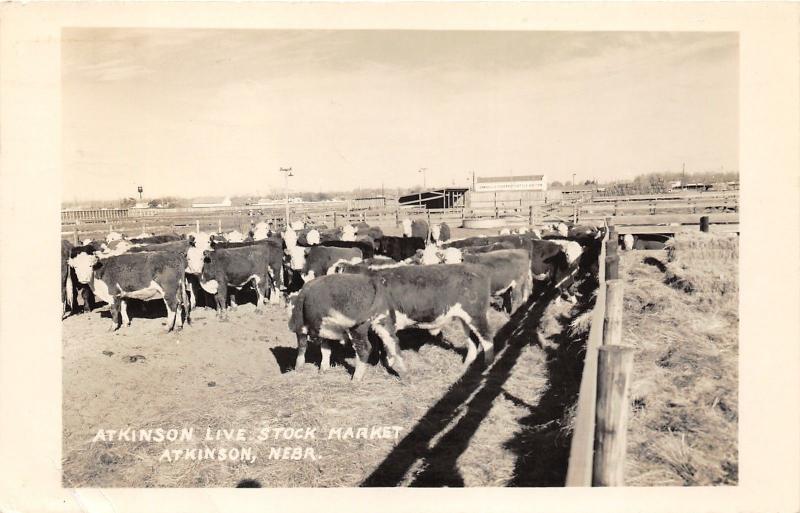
(373, 258)
(497, 248)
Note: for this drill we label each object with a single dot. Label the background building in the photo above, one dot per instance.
(510, 183)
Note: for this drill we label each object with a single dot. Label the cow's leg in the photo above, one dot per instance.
(302, 344)
(386, 333)
(261, 293)
(360, 337)
(325, 349)
(472, 345)
(221, 298)
(123, 308)
(480, 328)
(85, 297)
(114, 309)
(186, 303)
(172, 311)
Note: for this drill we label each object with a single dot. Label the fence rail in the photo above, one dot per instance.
(579, 467)
(664, 214)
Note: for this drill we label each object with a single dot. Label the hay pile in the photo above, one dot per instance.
(705, 264)
(682, 317)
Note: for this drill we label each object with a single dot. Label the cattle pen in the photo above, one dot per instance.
(635, 215)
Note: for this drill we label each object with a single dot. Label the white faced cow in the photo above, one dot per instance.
(145, 276)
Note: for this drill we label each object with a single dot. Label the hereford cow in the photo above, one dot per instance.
(157, 239)
(341, 307)
(399, 248)
(509, 272)
(415, 228)
(143, 276)
(430, 296)
(259, 264)
(309, 263)
(366, 247)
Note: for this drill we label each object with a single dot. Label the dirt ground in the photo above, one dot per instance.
(507, 425)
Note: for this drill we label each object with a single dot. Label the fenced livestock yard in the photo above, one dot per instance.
(548, 410)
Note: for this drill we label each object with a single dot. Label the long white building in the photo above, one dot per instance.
(510, 183)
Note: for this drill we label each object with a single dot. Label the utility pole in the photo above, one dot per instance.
(422, 170)
(573, 181)
(683, 173)
(140, 189)
(287, 172)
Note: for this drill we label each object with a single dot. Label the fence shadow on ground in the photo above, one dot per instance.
(541, 448)
(440, 460)
(542, 444)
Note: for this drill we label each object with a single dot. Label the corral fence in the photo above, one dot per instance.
(599, 436)
(597, 451)
(633, 214)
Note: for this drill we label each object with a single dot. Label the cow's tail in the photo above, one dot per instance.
(296, 319)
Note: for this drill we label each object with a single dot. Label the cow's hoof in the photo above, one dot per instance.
(258, 311)
(488, 356)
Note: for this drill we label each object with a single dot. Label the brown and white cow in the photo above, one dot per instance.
(510, 274)
(259, 264)
(344, 307)
(143, 276)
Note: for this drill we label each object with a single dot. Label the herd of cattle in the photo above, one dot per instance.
(340, 284)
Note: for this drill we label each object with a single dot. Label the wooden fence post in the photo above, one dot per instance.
(75, 236)
(614, 366)
(704, 224)
(612, 323)
(219, 225)
(612, 254)
(334, 219)
(197, 225)
(530, 216)
(397, 216)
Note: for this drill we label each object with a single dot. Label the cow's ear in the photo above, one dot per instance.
(98, 264)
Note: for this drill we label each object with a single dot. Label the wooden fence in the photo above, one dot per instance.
(597, 451)
(654, 214)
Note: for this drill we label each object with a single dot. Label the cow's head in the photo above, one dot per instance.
(348, 233)
(195, 257)
(297, 257)
(407, 227)
(84, 265)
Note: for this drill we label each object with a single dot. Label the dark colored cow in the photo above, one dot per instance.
(415, 228)
(429, 296)
(517, 241)
(341, 307)
(509, 272)
(309, 263)
(67, 290)
(374, 232)
(444, 232)
(143, 276)
(496, 246)
(158, 239)
(366, 247)
(399, 248)
(178, 245)
(237, 267)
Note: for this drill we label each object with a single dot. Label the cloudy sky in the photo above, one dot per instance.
(216, 112)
